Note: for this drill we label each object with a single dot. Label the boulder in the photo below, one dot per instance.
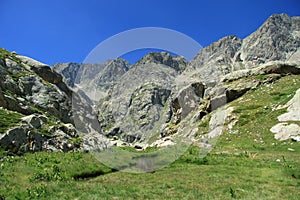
(14, 139)
(164, 142)
(34, 121)
(218, 101)
(187, 100)
(95, 142)
(69, 129)
(293, 111)
(285, 131)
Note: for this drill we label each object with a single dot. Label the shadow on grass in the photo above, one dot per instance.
(93, 174)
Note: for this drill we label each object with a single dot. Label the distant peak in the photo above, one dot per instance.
(176, 62)
(277, 21)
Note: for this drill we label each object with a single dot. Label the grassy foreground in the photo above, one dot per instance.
(246, 163)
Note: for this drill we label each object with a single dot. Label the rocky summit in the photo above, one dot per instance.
(152, 103)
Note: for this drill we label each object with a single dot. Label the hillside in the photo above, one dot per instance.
(224, 125)
(247, 162)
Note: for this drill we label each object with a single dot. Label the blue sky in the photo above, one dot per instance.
(67, 30)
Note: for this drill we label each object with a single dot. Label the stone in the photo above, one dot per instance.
(217, 121)
(163, 142)
(285, 131)
(187, 100)
(33, 120)
(293, 111)
(69, 129)
(14, 139)
(95, 142)
(218, 101)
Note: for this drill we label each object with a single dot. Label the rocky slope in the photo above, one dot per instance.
(32, 89)
(210, 80)
(42, 108)
(160, 100)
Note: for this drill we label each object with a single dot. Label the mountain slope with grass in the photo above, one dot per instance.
(246, 162)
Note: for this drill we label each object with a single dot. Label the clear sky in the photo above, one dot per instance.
(67, 30)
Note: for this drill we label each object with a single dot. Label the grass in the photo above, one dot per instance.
(71, 176)
(256, 114)
(16, 76)
(8, 119)
(246, 163)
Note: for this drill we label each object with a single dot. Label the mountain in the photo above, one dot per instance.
(94, 78)
(158, 101)
(232, 111)
(276, 40)
(156, 98)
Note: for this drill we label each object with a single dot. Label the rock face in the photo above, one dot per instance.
(30, 86)
(216, 60)
(158, 92)
(176, 62)
(136, 103)
(94, 79)
(276, 40)
(69, 71)
(36, 91)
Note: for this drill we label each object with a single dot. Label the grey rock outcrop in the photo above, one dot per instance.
(29, 86)
(187, 100)
(35, 121)
(93, 79)
(287, 130)
(136, 103)
(36, 91)
(178, 63)
(276, 40)
(33, 133)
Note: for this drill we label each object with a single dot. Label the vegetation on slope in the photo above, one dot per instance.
(246, 163)
(8, 119)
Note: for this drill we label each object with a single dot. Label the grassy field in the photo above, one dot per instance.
(246, 163)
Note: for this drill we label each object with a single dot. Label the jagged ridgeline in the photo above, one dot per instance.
(155, 102)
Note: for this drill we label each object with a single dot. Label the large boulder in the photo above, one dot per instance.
(21, 139)
(35, 121)
(187, 100)
(285, 131)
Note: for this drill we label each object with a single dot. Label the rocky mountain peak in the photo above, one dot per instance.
(176, 62)
(277, 39)
(68, 70)
(120, 63)
(75, 73)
